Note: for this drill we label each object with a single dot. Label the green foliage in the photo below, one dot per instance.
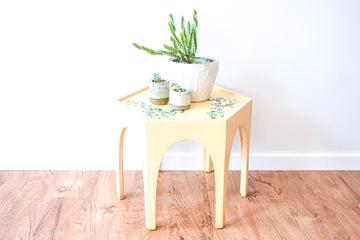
(177, 88)
(184, 46)
(157, 78)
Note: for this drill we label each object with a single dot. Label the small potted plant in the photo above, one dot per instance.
(159, 90)
(194, 73)
(180, 98)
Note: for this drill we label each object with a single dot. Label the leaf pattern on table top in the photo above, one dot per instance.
(218, 106)
(151, 111)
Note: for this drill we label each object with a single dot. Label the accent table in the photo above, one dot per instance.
(212, 123)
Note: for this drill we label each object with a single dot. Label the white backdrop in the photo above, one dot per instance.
(64, 64)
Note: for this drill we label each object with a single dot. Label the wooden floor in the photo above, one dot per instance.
(83, 205)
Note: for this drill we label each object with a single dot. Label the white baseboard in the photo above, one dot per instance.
(271, 161)
(188, 161)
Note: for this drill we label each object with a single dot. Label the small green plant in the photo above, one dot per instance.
(183, 48)
(157, 78)
(177, 88)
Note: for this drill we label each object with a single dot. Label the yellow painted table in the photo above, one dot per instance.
(212, 123)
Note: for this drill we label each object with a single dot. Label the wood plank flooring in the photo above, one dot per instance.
(83, 205)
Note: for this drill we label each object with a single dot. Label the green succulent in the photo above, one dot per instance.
(177, 88)
(157, 78)
(183, 47)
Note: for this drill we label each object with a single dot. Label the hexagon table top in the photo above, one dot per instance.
(222, 104)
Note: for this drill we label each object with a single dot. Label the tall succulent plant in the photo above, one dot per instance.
(183, 47)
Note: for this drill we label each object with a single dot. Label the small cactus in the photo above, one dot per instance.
(177, 88)
(157, 78)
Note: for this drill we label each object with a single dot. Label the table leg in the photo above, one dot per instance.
(150, 179)
(120, 172)
(207, 162)
(155, 152)
(221, 168)
(245, 146)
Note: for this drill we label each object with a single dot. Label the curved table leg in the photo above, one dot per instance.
(120, 177)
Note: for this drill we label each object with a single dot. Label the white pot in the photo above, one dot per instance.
(159, 92)
(179, 100)
(198, 78)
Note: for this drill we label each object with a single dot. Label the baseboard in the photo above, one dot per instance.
(272, 161)
(193, 161)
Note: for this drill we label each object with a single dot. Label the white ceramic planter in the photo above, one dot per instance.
(198, 78)
(159, 92)
(180, 100)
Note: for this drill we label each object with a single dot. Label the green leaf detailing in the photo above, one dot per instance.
(151, 111)
(218, 106)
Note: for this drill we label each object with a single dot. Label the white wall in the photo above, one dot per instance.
(63, 64)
